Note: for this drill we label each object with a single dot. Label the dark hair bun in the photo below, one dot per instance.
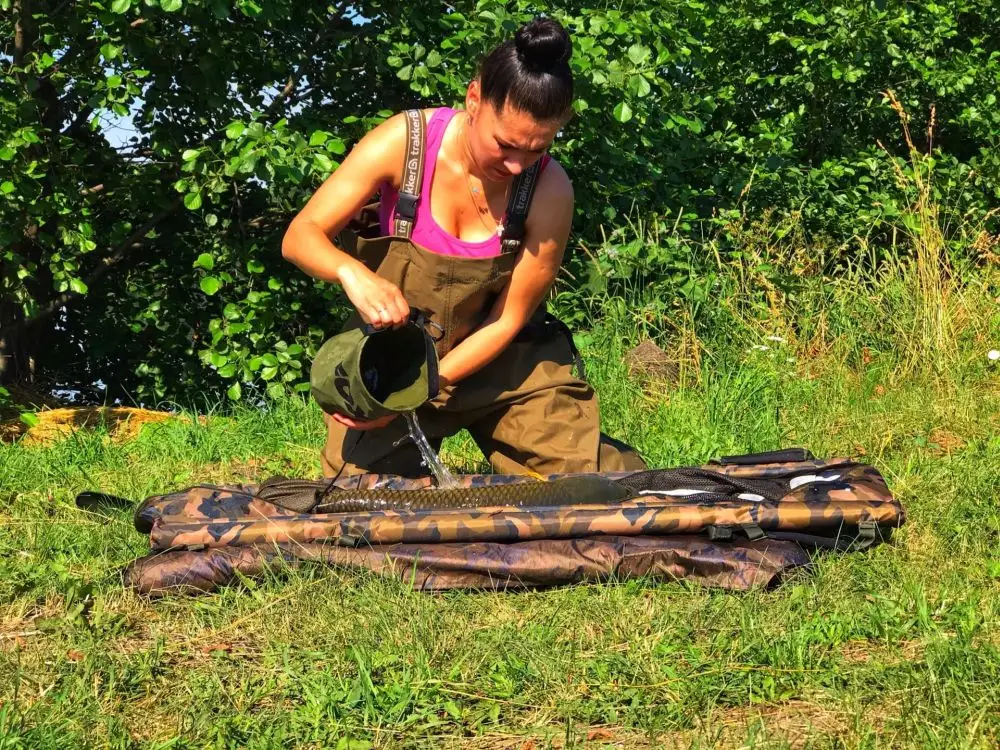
(543, 45)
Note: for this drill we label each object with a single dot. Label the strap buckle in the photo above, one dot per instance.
(406, 205)
(726, 532)
(512, 236)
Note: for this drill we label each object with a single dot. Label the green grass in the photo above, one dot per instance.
(895, 647)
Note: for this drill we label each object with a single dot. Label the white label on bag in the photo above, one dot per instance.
(799, 481)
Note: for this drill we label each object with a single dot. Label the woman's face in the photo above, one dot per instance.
(504, 144)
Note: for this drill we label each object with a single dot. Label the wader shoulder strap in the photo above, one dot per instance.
(413, 174)
(522, 191)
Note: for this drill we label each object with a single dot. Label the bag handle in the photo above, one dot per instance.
(418, 318)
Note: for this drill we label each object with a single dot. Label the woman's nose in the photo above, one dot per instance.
(513, 165)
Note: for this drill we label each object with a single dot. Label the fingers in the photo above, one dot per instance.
(363, 425)
(381, 316)
(400, 310)
(387, 308)
(378, 302)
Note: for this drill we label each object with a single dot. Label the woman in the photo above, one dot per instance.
(472, 226)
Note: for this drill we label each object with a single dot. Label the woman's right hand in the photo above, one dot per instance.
(378, 302)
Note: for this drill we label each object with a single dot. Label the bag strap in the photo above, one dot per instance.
(512, 227)
(788, 455)
(413, 174)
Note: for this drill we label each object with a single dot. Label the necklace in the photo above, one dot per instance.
(482, 211)
(474, 192)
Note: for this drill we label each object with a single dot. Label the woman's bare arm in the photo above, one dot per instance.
(308, 241)
(534, 273)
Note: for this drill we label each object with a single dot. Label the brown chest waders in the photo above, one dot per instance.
(527, 409)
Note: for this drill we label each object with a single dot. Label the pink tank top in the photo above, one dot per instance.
(426, 231)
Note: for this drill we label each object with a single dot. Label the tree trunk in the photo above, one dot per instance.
(17, 350)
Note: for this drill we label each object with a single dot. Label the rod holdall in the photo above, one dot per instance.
(366, 372)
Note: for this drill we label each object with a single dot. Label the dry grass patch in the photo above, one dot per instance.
(866, 652)
(123, 423)
(794, 724)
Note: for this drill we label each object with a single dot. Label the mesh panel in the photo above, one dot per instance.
(662, 480)
(298, 495)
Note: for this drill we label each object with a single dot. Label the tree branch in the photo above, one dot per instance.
(24, 30)
(136, 239)
(79, 121)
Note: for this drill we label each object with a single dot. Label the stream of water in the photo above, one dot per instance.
(431, 460)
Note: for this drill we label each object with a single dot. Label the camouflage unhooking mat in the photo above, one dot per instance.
(738, 523)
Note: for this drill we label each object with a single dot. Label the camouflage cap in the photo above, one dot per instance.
(366, 373)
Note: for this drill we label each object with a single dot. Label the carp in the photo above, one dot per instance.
(317, 497)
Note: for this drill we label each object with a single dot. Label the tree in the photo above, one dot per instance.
(153, 151)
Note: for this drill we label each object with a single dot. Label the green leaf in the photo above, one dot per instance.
(273, 284)
(193, 201)
(638, 53)
(255, 266)
(6, 153)
(235, 392)
(210, 285)
(114, 82)
(268, 373)
(171, 6)
(276, 390)
(206, 261)
(120, 6)
(623, 112)
(336, 146)
(211, 219)
(639, 86)
(318, 138)
(78, 286)
(234, 130)
(190, 154)
(109, 51)
(405, 73)
(323, 162)
(269, 360)
(6, 187)
(433, 59)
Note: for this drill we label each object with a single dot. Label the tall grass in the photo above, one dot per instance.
(915, 300)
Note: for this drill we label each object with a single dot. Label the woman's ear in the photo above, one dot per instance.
(473, 98)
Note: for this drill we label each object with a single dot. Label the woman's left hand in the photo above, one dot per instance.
(360, 424)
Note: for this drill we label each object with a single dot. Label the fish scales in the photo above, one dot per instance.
(566, 491)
